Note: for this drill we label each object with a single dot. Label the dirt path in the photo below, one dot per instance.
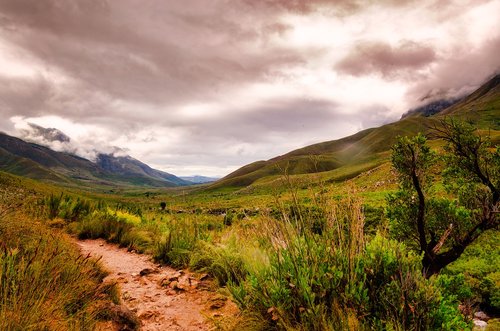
(162, 298)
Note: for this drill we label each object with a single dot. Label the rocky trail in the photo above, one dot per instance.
(161, 297)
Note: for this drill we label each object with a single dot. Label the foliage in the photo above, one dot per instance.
(44, 282)
(334, 280)
(441, 228)
(68, 208)
(479, 265)
(179, 240)
(225, 263)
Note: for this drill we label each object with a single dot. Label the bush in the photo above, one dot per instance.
(336, 281)
(67, 208)
(176, 245)
(479, 266)
(225, 263)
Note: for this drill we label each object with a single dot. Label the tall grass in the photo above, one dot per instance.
(181, 237)
(44, 283)
(336, 279)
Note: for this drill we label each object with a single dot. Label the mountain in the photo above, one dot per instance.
(199, 179)
(49, 134)
(129, 167)
(430, 108)
(39, 162)
(481, 107)
(369, 148)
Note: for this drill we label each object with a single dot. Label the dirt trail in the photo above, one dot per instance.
(161, 297)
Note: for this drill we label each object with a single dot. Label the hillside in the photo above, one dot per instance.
(369, 148)
(38, 162)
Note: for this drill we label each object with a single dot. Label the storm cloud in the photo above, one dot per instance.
(405, 59)
(203, 87)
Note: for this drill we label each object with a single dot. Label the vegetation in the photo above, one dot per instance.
(443, 227)
(44, 282)
(339, 279)
(290, 239)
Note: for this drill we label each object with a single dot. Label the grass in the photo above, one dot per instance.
(334, 278)
(44, 282)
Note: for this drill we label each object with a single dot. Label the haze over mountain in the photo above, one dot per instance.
(370, 148)
(204, 87)
(199, 179)
(36, 161)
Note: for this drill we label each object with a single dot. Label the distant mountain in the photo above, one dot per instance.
(129, 167)
(199, 179)
(370, 148)
(430, 108)
(39, 162)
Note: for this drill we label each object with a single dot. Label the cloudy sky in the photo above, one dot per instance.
(206, 86)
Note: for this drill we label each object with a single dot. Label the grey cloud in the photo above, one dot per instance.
(275, 117)
(458, 73)
(338, 7)
(27, 96)
(58, 140)
(390, 61)
(268, 130)
(143, 51)
(131, 66)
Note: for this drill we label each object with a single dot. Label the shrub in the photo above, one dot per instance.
(333, 280)
(225, 263)
(176, 245)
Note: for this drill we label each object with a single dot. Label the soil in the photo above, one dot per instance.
(161, 297)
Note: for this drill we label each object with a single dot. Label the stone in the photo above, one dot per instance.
(479, 324)
(480, 315)
(175, 285)
(123, 316)
(147, 271)
(175, 277)
(164, 282)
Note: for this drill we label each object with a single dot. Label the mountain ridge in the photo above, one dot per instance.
(39, 162)
(370, 147)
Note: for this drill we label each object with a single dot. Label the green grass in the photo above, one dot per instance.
(44, 282)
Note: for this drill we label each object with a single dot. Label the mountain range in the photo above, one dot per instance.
(200, 179)
(348, 156)
(39, 162)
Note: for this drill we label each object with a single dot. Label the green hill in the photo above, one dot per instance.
(369, 148)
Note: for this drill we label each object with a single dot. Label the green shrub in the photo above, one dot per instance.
(181, 235)
(68, 208)
(173, 250)
(336, 281)
(479, 265)
(225, 263)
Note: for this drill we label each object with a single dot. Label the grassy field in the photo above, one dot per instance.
(44, 282)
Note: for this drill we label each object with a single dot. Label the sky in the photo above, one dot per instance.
(207, 86)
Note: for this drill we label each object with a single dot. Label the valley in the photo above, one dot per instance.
(247, 252)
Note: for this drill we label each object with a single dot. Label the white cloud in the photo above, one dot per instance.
(193, 88)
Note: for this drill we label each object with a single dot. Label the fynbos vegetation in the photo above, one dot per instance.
(307, 257)
(442, 227)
